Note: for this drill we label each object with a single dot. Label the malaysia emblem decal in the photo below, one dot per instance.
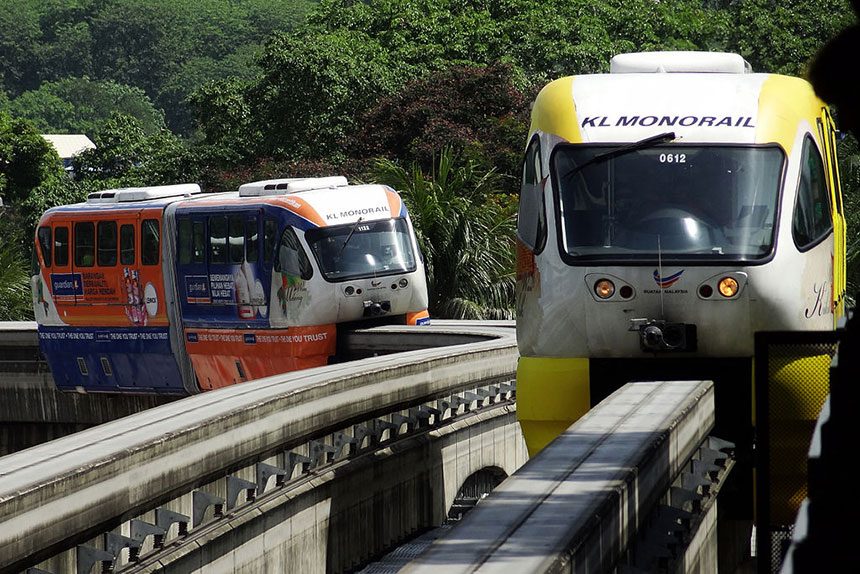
(666, 282)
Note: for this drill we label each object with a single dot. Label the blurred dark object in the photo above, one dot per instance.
(835, 75)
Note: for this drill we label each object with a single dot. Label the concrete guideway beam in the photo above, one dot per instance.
(75, 487)
(577, 505)
(18, 334)
(344, 514)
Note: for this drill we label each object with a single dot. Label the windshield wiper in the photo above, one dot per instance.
(348, 237)
(625, 149)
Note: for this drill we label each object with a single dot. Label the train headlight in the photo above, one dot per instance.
(728, 287)
(349, 290)
(604, 288)
(403, 283)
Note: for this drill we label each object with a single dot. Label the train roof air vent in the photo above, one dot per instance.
(678, 62)
(127, 194)
(289, 185)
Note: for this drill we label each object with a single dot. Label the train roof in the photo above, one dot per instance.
(700, 96)
(133, 198)
(289, 186)
(322, 201)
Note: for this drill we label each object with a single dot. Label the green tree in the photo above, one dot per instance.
(82, 105)
(126, 156)
(316, 82)
(28, 166)
(465, 229)
(15, 302)
(19, 43)
(848, 153)
(782, 37)
(168, 48)
(27, 160)
(313, 87)
(225, 120)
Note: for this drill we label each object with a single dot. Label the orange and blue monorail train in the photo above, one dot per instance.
(168, 290)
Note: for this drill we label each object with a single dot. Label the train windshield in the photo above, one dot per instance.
(362, 249)
(681, 201)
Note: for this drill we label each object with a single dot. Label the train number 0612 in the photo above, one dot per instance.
(673, 158)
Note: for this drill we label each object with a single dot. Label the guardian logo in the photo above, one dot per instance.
(666, 282)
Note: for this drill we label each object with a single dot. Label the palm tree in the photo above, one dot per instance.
(465, 229)
(15, 301)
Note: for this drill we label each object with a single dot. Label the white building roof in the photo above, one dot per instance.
(68, 145)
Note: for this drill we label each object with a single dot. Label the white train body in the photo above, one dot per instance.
(645, 188)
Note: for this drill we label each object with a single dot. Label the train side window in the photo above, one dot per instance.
(237, 239)
(270, 238)
(45, 241)
(252, 241)
(218, 239)
(183, 230)
(61, 246)
(150, 242)
(199, 236)
(85, 244)
(106, 243)
(126, 244)
(811, 221)
(292, 259)
(531, 220)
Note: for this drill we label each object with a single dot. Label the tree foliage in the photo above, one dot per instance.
(477, 111)
(15, 302)
(167, 48)
(27, 160)
(81, 105)
(126, 156)
(312, 89)
(465, 230)
(782, 37)
(317, 82)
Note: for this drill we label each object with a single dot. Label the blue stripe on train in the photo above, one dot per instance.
(111, 359)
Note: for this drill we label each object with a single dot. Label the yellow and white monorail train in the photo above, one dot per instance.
(670, 209)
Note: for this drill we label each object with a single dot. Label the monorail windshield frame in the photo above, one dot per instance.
(363, 249)
(688, 203)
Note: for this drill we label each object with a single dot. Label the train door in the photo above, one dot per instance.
(129, 231)
(83, 256)
(148, 280)
(55, 246)
(827, 133)
(193, 274)
(235, 273)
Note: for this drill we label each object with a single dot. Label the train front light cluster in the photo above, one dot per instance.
(727, 285)
(608, 288)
